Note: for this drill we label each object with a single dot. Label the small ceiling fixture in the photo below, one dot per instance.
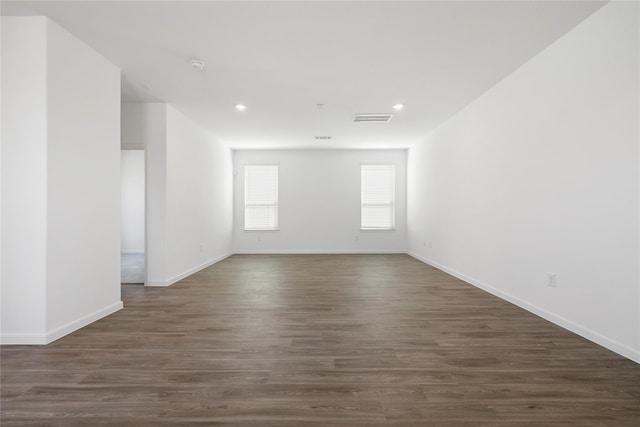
(398, 107)
(197, 64)
(241, 107)
(322, 137)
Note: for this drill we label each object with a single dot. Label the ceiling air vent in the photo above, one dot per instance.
(323, 137)
(372, 118)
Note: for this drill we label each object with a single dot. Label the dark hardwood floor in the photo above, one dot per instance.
(318, 340)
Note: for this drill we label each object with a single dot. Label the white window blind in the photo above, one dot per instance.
(261, 197)
(378, 196)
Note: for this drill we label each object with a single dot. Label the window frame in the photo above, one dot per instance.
(391, 204)
(275, 203)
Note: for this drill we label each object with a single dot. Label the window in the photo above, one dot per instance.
(378, 197)
(261, 197)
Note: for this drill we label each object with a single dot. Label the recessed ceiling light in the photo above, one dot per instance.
(197, 64)
(241, 107)
(398, 107)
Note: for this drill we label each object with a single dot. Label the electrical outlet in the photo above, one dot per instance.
(201, 248)
(424, 243)
(552, 280)
(357, 238)
(259, 238)
(430, 244)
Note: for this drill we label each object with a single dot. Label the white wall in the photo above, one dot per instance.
(24, 185)
(189, 191)
(141, 123)
(144, 125)
(132, 201)
(541, 174)
(199, 198)
(83, 189)
(319, 202)
(68, 120)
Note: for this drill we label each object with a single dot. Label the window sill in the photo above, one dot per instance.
(378, 229)
(260, 230)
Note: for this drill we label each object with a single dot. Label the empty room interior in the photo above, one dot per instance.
(320, 212)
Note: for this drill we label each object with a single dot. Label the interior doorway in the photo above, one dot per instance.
(132, 217)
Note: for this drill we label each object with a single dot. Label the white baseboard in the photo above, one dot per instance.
(43, 339)
(315, 252)
(613, 345)
(82, 322)
(189, 272)
(576, 328)
(23, 339)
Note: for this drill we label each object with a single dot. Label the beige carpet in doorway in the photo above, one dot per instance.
(132, 268)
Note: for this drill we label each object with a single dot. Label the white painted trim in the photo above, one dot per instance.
(189, 272)
(43, 339)
(132, 252)
(315, 252)
(156, 283)
(571, 326)
(23, 339)
(82, 322)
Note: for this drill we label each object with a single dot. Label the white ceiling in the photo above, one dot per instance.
(283, 58)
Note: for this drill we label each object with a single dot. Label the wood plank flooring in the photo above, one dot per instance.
(318, 340)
